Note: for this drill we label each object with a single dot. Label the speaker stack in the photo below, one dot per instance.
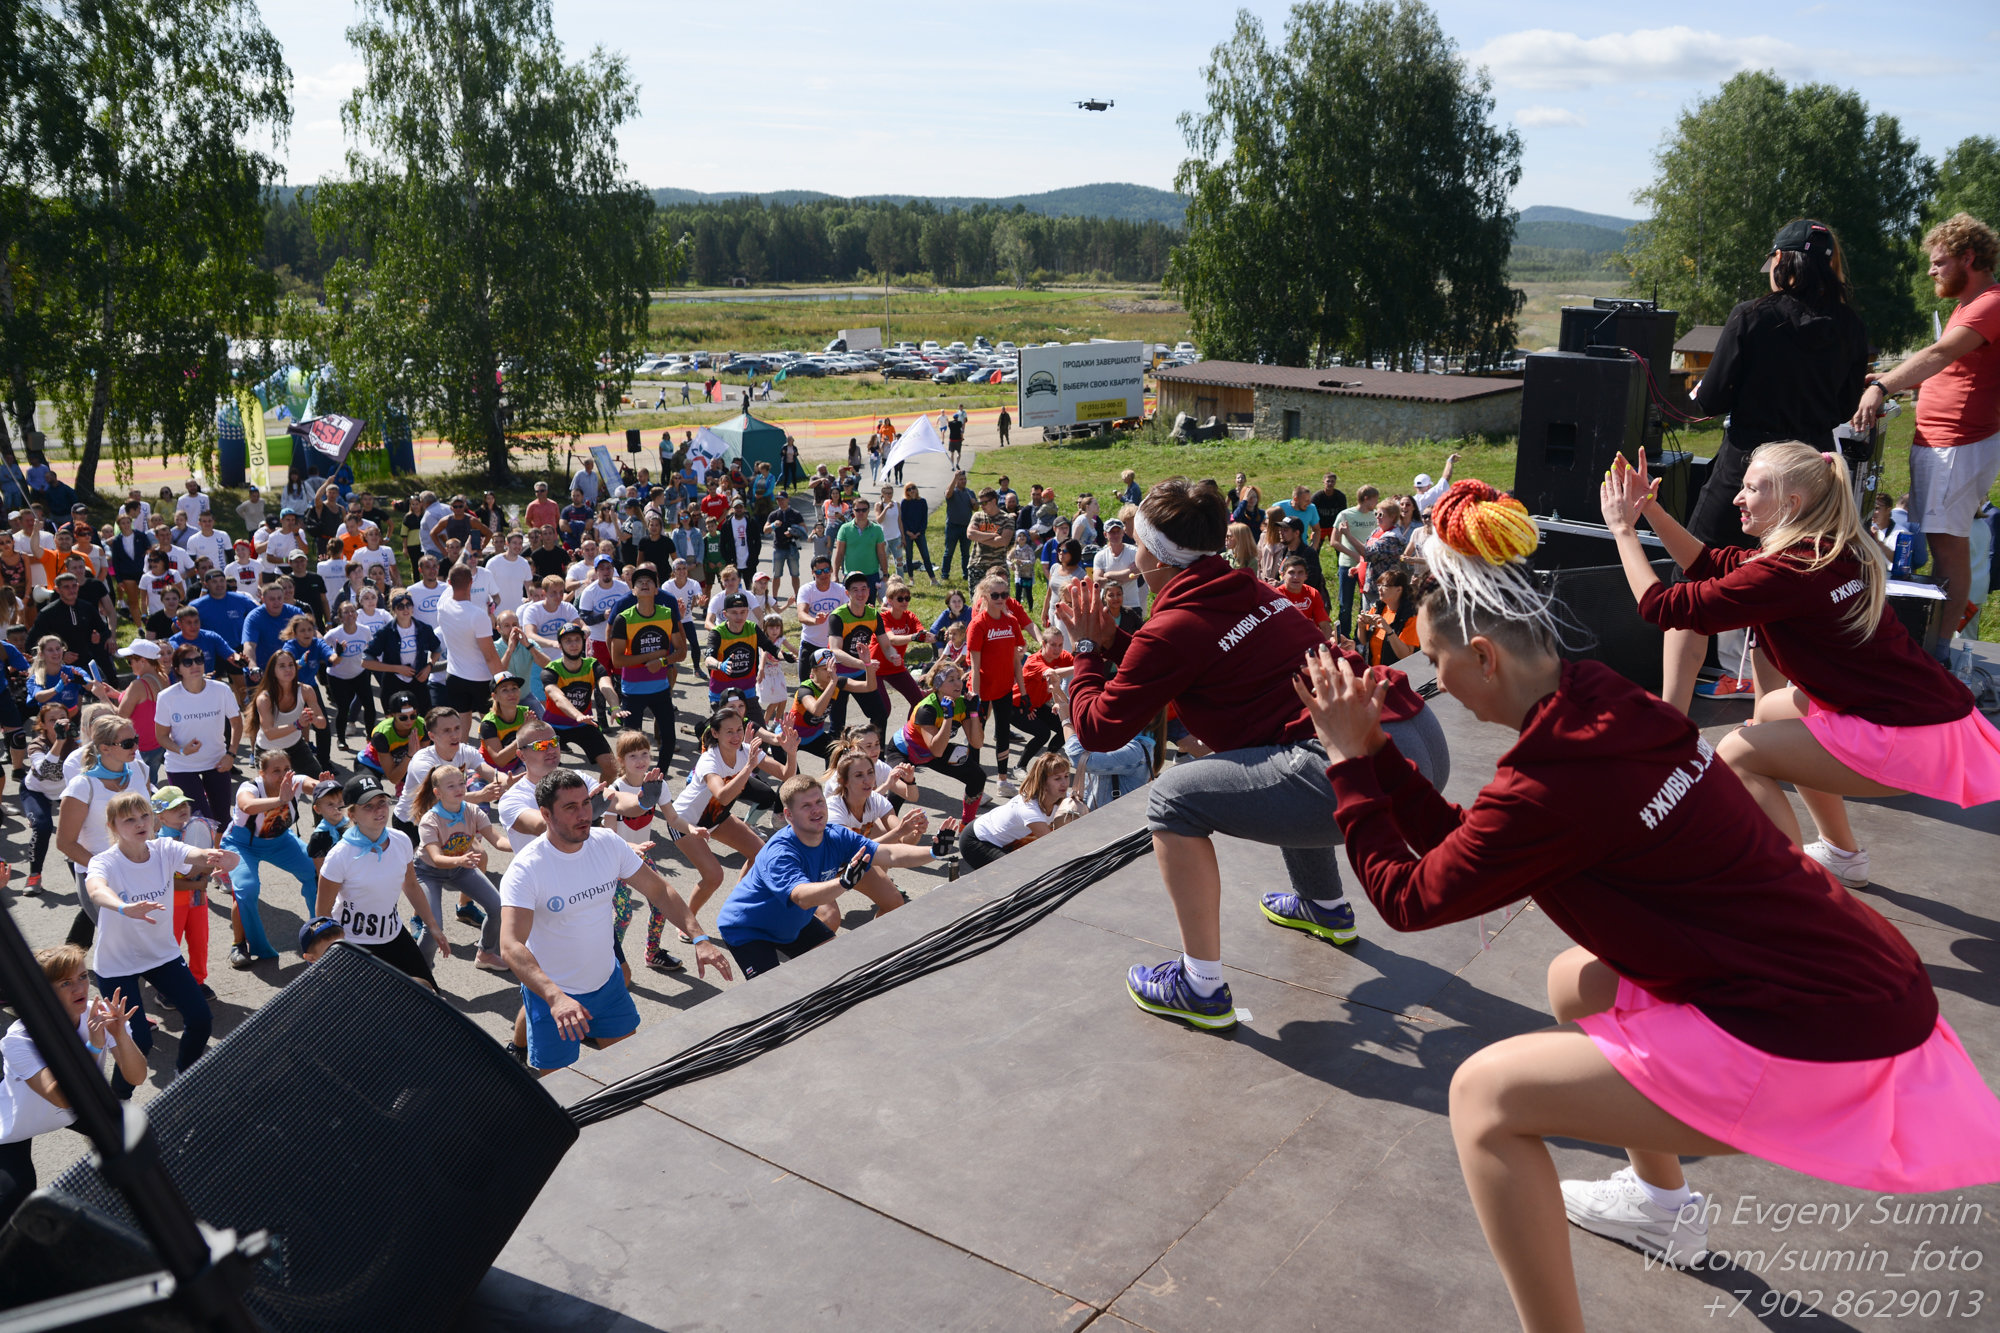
(387, 1145)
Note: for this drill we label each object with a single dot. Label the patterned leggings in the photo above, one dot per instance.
(625, 905)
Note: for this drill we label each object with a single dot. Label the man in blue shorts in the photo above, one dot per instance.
(784, 904)
(556, 915)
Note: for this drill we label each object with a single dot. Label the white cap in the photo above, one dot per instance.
(1422, 481)
(141, 648)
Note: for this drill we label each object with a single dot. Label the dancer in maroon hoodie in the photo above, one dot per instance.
(1868, 711)
(1223, 648)
(1727, 994)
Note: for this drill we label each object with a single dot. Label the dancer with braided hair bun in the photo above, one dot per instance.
(1868, 712)
(1725, 995)
(1223, 648)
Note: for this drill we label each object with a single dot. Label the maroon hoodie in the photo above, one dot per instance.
(1615, 814)
(1885, 678)
(1222, 647)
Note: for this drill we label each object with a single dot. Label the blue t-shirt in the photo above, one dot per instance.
(214, 648)
(1308, 516)
(224, 615)
(760, 907)
(261, 630)
(310, 658)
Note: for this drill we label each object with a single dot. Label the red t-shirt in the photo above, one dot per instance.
(1306, 600)
(542, 513)
(1614, 813)
(996, 641)
(1036, 687)
(1961, 403)
(888, 657)
(1886, 679)
(715, 506)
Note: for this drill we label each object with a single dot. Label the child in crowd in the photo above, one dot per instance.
(180, 823)
(1021, 562)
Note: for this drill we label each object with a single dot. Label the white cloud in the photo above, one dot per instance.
(1544, 58)
(1542, 117)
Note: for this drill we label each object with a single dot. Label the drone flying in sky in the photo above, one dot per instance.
(1094, 104)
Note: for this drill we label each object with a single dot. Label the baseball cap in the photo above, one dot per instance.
(1111, 523)
(327, 787)
(288, 513)
(572, 627)
(145, 648)
(680, 562)
(401, 599)
(503, 677)
(317, 929)
(735, 599)
(1422, 481)
(400, 700)
(166, 798)
(823, 657)
(602, 560)
(1801, 234)
(362, 788)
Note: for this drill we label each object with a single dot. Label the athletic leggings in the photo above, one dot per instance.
(969, 772)
(660, 703)
(874, 705)
(403, 954)
(285, 852)
(1042, 728)
(348, 696)
(624, 905)
(191, 929)
(176, 985)
(208, 792)
(41, 814)
(975, 851)
(902, 683)
(474, 884)
(1003, 713)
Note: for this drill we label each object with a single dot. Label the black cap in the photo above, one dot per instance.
(327, 787)
(362, 788)
(402, 699)
(854, 578)
(734, 600)
(317, 929)
(571, 627)
(1804, 235)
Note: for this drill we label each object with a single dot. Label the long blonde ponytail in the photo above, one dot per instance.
(1828, 521)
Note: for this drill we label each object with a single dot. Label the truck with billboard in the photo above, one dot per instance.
(856, 340)
(1081, 384)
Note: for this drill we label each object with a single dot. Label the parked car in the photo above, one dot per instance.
(807, 367)
(907, 370)
(930, 347)
(746, 365)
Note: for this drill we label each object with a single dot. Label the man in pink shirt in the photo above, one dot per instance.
(542, 512)
(1956, 454)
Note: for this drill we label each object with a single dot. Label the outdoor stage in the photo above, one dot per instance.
(1011, 1144)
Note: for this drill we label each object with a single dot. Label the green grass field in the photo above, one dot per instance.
(1011, 315)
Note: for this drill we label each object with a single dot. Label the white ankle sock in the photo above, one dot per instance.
(1204, 976)
(1328, 904)
(1671, 1200)
(1845, 856)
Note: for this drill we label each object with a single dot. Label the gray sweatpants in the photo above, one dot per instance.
(1279, 794)
(470, 881)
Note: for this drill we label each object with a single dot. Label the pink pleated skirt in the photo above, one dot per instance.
(1950, 761)
(1912, 1123)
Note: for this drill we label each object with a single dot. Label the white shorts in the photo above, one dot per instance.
(1948, 485)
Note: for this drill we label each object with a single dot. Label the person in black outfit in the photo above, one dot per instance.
(1788, 366)
(78, 624)
(656, 548)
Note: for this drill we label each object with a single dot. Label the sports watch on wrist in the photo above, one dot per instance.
(1086, 647)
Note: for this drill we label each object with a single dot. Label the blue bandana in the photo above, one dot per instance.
(335, 830)
(378, 846)
(103, 774)
(448, 816)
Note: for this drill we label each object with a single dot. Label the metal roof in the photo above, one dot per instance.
(1700, 338)
(1344, 381)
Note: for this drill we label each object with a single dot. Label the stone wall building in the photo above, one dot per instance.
(1341, 402)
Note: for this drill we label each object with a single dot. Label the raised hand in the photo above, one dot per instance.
(1625, 493)
(1346, 709)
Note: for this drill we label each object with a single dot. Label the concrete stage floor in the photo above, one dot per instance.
(1011, 1144)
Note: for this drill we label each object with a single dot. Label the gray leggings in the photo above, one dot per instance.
(471, 882)
(1279, 794)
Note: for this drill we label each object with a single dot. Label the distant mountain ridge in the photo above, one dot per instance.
(1550, 213)
(1125, 202)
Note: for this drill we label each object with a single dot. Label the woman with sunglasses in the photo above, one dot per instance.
(52, 681)
(199, 725)
(997, 639)
(109, 769)
(139, 701)
(897, 630)
(289, 713)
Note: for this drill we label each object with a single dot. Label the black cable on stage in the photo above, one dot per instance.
(983, 928)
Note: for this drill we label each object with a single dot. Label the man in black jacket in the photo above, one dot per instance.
(79, 625)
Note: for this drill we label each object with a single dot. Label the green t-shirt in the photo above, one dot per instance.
(1357, 523)
(862, 547)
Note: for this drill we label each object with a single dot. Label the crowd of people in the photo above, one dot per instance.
(515, 683)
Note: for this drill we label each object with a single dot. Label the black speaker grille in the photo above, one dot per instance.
(388, 1145)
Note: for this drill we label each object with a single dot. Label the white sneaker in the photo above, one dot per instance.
(1006, 787)
(1851, 871)
(1620, 1209)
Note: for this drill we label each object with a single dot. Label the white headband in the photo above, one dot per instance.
(1164, 548)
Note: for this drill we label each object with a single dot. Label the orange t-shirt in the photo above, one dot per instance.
(1961, 403)
(542, 513)
(1306, 600)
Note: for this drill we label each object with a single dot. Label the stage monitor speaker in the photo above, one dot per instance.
(633, 441)
(388, 1146)
(1577, 412)
(1675, 469)
(1610, 322)
(1578, 566)
(1925, 618)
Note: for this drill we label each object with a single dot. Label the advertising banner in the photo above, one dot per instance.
(256, 449)
(1082, 383)
(607, 470)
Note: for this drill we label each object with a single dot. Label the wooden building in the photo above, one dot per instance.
(1340, 402)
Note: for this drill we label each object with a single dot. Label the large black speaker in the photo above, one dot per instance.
(387, 1144)
(1578, 565)
(1610, 322)
(633, 441)
(1577, 413)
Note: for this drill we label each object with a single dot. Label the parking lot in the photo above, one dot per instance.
(979, 362)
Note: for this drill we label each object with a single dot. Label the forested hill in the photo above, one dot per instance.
(1114, 201)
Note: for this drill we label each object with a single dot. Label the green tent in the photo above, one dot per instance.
(754, 441)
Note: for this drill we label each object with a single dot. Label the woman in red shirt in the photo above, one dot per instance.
(1868, 712)
(1223, 648)
(998, 636)
(1726, 995)
(898, 629)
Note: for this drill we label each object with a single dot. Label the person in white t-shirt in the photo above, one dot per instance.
(595, 599)
(817, 602)
(31, 1102)
(510, 573)
(682, 589)
(852, 802)
(194, 503)
(556, 910)
(543, 620)
(368, 877)
(1021, 820)
(132, 883)
(1117, 561)
(207, 542)
(466, 630)
(427, 591)
(728, 581)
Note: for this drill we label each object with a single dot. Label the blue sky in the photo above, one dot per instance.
(944, 100)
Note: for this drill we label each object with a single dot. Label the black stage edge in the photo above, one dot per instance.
(1010, 1144)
